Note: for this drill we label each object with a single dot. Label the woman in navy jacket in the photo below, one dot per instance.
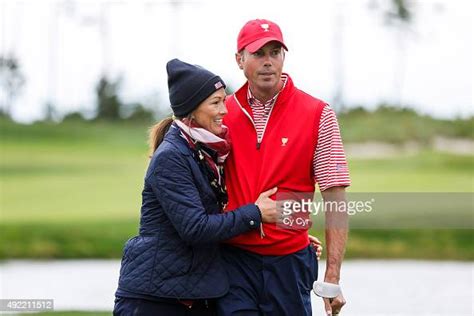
(173, 266)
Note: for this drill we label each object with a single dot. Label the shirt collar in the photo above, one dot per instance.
(255, 102)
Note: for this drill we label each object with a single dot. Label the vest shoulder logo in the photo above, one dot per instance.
(284, 140)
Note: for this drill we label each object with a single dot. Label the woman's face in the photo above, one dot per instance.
(210, 112)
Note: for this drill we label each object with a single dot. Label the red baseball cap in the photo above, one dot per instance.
(256, 33)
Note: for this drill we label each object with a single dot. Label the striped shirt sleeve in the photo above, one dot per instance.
(329, 161)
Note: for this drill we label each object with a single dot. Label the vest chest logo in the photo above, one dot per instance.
(284, 140)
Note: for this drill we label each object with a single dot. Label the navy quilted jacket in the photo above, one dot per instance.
(176, 254)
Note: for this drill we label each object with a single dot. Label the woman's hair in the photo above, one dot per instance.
(157, 132)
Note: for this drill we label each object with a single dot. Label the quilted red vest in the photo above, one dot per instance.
(283, 159)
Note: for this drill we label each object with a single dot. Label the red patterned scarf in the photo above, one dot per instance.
(211, 150)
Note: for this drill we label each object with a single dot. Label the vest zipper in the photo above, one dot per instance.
(250, 118)
(266, 123)
(259, 141)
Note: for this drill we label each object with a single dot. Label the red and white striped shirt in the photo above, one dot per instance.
(329, 161)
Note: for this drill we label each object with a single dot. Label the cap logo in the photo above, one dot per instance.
(265, 27)
(218, 85)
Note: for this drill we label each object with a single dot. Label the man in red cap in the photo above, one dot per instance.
(281, 137)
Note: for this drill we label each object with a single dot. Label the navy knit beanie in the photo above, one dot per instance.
(189, 85)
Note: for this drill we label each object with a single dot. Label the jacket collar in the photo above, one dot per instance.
(173, 136)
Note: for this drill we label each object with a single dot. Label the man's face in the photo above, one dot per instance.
(263, 68)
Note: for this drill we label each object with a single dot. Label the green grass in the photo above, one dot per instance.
(68, 239)
(74, 191)
(426, 171)
(72, 172)
(433, 244)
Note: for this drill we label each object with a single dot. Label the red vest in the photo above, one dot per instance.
(283, 159)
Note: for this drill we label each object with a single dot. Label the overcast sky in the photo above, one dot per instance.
(63, 46)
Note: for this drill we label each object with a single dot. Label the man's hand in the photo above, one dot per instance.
(316, 244)
(332, 296)
(333, 305)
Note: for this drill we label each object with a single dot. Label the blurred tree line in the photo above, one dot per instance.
(109, 105)
(394, 124)
(12, 82)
